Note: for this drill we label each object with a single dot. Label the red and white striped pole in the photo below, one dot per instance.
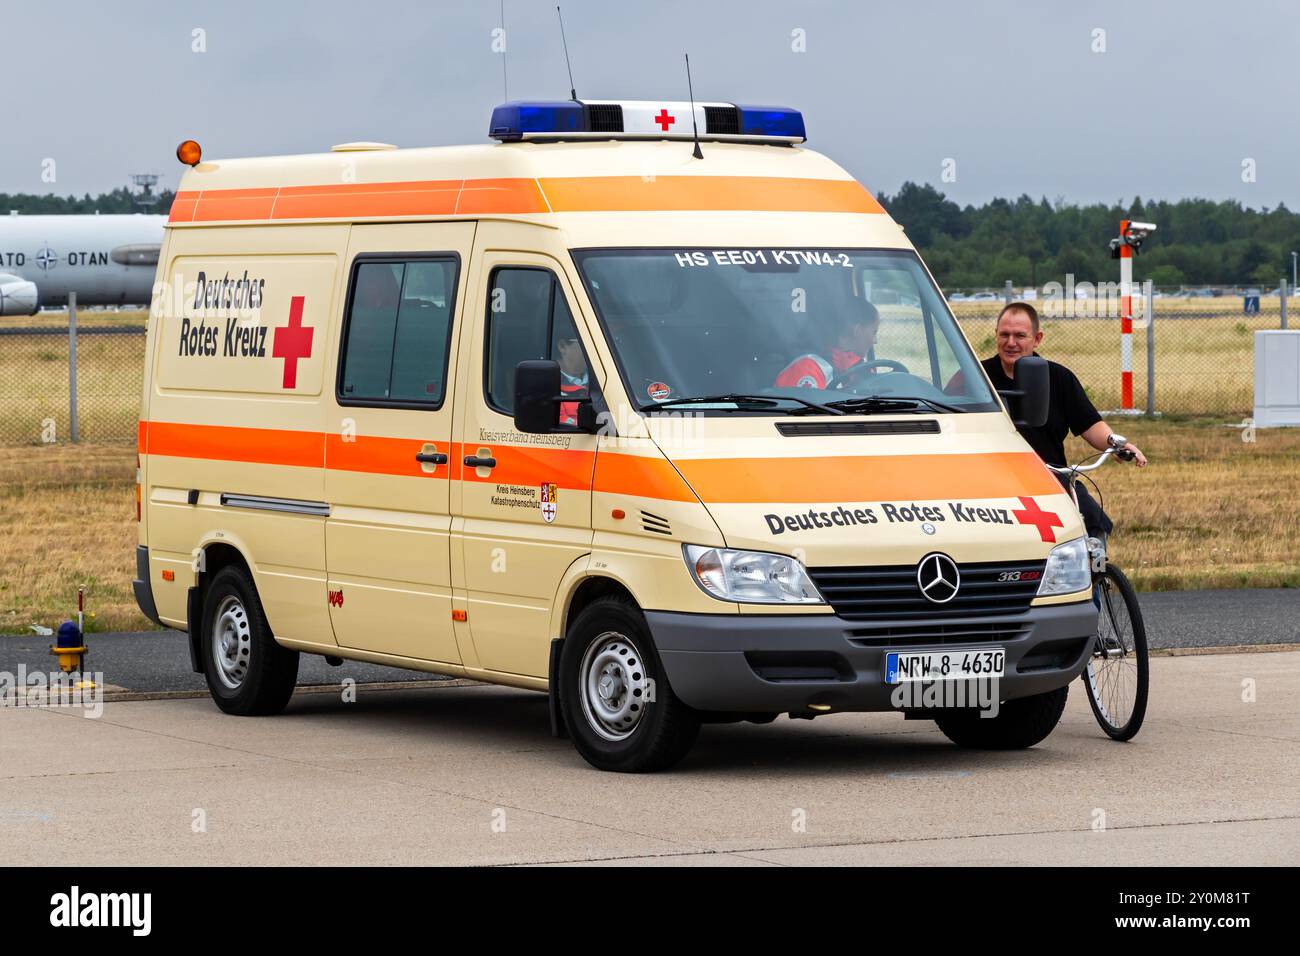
(1125, 317)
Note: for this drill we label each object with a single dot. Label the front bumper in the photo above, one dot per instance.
(775, 664)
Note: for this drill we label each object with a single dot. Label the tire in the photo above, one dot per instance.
(608, 645)
(1020, 723)
(248, 673)
(1138, 671)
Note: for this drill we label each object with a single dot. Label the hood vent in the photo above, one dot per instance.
(655, 524)
(914, 426)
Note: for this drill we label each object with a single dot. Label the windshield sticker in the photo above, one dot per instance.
(658, 391)
(764, 257)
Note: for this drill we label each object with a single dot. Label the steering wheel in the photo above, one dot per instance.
(866, 366)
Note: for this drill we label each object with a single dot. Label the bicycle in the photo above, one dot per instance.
(1117, 674)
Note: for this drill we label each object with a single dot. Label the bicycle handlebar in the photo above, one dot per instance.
(1116, 443)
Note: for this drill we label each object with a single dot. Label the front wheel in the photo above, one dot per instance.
(618, 707)
(1018, 724)
(1118, 672)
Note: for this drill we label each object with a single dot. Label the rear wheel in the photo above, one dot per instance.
(248, 673)
(1117, 674)
(1019, 723)
(617, 704)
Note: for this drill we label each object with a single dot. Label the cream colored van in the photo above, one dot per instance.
(674, 440)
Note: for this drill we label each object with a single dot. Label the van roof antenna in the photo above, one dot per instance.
(573, 91)
(694, 125)
(505, 45)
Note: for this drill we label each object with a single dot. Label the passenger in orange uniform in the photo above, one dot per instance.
(854, 342)
(573, 376)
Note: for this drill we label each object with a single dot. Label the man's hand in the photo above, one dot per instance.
(1099, 436)
(1138, 457)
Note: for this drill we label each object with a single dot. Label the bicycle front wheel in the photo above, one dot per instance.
(1117, 674)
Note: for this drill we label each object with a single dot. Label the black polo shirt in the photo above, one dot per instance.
(1070, 410)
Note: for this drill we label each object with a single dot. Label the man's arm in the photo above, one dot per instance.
(1086, 422)
(1098, 436)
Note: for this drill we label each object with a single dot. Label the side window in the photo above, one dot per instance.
(528, 318)
(397, 332)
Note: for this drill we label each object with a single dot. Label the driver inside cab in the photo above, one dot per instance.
(573, 375)
(855, 340)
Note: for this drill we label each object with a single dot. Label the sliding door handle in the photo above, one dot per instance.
(432, 458)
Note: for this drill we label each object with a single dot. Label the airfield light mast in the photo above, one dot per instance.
(1124, 248)
(145, 199)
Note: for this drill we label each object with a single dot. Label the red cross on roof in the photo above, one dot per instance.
(664, 120)
(292, 342)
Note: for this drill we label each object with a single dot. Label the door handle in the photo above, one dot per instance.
(474, 461)
(432, 458)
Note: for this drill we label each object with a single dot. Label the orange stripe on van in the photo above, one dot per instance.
(470, 197)
(446, 197)
(868, 478)
(382, 456)
(264, 446)
(714, 480)
(531, 466)
(640, 475)
(682, 193)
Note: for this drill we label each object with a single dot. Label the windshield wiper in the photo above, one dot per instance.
(892, 403)
(750, 401)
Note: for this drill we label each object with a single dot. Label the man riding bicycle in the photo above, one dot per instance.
(1070, 409)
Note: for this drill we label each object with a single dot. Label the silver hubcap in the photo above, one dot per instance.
(614, 687)
(232, 643)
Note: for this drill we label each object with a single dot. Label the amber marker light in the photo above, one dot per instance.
(189, 153)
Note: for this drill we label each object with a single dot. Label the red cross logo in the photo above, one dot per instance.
(292, 342)
(664, 120)
(1044, 521)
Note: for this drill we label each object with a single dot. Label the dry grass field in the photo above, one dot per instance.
(1209, 511)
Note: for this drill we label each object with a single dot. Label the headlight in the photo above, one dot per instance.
(1067, 569)
(750, 577)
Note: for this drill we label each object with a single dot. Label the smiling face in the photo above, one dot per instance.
(1016, 338)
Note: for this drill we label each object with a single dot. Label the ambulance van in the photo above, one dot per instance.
(675, 430)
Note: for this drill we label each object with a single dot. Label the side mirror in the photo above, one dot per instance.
(537, 383)
(539, 400)
(1033, 390)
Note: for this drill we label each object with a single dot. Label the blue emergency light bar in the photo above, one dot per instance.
(644, 119)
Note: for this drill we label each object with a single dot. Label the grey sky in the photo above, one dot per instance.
(1011, 91)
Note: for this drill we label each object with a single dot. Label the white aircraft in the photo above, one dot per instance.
(106, 260)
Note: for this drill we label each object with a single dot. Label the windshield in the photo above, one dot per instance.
(832, 327)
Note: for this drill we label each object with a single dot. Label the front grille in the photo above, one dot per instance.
(722, 119)
(892, 594)
(605, 118)
(915, 635)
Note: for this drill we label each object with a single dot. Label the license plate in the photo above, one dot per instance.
(964, 664)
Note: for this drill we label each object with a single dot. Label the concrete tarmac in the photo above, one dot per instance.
(469, 775)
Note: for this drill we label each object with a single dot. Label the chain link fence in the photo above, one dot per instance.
(37, 376)
(1195, 361)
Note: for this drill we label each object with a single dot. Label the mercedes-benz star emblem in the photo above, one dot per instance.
(938, 578)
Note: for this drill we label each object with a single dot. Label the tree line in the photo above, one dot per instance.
(120, 200)
(1199, 241)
